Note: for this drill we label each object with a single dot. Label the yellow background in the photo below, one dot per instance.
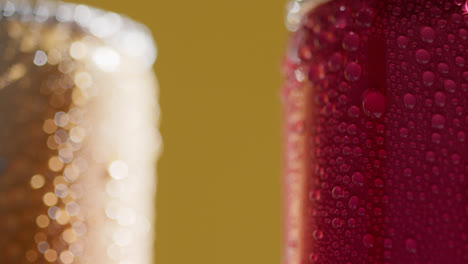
(218, 198)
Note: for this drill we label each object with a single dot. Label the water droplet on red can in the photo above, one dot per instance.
(354, 111)
(335, 62)
(353, 203)
(358, 179)
(450, 86)
(374, 104)
(336, 223)
(337, 192)
(438, 121)
(402, 42)
(368, 240)
(428, 34)
(428, 78)
(365, 17)
(439, 99)
(422, 56)
(465, 7)
(353, 72)
(411, 245)
(351, 41)
(318, 234)
(409, 100)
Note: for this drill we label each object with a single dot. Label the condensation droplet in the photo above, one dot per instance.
(411, 245)
(402, 42)
(443, 68)
(318, 234)
(336, 61)
(337, 192)
(69, 236)
(66, 257)
(388, 243)
(368, 240)
(353, 72)
(351, 41)
(450, 86)
(313, 257)
(50, 199)
(42, 221)
(461, 136)
(409, 100)
(430, 156)
(40, 59)
(374, 104)
(353, 202)
(354, 111)
(43, 246)
(407, 172)
(438, 121)
(428, 34)
(78, 50)
(61, 190)
(118, 170)
(460, 61)
(440, 98)
(456, 158)
(422, 56)
(107, 59)
(459, 2)
(404, 132)
(358, 179)
(37, 181)
(50, 255)
(336, 223)
(365, 16)
(428, 78)
(436, 138)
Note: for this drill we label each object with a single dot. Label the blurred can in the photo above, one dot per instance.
(78, 135)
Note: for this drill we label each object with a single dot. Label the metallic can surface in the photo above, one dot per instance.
(375, 125)
(78, 135)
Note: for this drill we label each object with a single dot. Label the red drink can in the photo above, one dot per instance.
(375, 122)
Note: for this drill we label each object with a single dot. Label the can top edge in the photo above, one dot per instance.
(118, 31)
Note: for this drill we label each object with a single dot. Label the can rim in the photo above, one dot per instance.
(129, 37)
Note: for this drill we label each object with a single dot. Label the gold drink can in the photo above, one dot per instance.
(78, 135)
